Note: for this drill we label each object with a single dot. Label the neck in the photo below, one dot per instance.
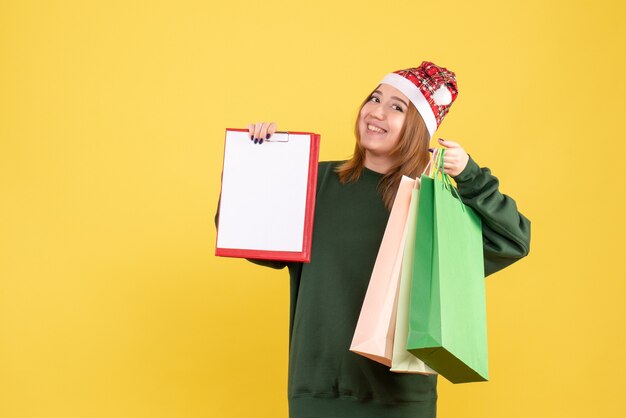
(378, 163)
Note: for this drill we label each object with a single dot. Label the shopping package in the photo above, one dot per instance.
(402, 361)
(447, 311)
(373, 335)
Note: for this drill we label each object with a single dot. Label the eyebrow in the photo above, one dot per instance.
(393, 97)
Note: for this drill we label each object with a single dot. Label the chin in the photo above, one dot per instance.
(373, 148)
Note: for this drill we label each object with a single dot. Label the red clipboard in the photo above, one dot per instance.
(267, 199)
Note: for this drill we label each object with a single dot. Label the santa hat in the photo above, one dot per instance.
(431, 88)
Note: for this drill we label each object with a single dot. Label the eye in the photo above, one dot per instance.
(398, 108)
(374, 98)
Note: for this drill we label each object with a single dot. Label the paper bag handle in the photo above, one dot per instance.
(446, 182)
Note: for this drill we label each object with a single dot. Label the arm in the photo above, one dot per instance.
(506, 232)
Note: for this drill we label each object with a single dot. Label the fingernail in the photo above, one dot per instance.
(256, 140)
(261, 141)
(251, 137)
(431, 149)
(268, 136)
(441, 139)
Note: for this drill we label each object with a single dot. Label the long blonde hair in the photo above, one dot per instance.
(410, 155)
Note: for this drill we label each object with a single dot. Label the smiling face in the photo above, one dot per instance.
(381, 120)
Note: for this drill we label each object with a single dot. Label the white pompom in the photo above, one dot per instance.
(442, 96)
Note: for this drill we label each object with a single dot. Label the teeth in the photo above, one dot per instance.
(374, 128)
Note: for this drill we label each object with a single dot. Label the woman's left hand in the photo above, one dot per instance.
(454, 159)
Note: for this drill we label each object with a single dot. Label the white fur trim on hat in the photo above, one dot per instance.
(416, 97)
(442, 96)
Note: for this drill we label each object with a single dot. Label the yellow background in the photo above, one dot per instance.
(112, 117)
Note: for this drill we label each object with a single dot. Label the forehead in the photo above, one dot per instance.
(389, 91)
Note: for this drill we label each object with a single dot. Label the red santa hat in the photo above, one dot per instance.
(431, 88)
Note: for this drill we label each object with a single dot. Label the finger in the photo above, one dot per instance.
(452, 170)
(451, 159)
(448, 166)
(449, 144)
(264, 134)
(272, 128)
(251, 131)
(257, 131)
(457, 157)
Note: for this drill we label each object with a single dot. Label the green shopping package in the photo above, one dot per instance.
(447, 314)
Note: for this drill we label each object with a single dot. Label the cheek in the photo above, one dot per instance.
(362, 119)
(398, 123)
(363, 112)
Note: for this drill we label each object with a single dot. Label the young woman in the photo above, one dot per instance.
(393, 130)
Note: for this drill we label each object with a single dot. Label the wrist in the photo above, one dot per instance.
(470, 171)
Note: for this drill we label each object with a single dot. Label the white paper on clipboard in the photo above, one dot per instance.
(264, 192)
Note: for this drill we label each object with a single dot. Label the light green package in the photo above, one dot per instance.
(447, 313)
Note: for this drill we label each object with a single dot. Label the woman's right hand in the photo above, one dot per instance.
(261, 131)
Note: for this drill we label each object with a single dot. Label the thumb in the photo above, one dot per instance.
(448, 144)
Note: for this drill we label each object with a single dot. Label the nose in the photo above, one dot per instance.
(378, 111)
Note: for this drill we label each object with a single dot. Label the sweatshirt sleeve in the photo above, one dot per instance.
(506, 232)
(265, 263)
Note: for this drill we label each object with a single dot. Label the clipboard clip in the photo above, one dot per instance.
(279, 137)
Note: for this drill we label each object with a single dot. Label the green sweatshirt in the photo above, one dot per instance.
(326, 380)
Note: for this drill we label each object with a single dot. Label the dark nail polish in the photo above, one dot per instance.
(431, 150)
(267, 136)
(251, 137)
(256, 140)
(261, 141)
